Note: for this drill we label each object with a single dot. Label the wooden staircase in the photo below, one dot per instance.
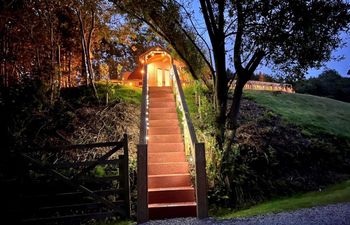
(170, 190)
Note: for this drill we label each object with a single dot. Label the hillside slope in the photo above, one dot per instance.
(285, 144)
(314, 114)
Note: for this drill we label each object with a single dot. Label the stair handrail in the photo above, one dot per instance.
(142, 170)
(197, 150)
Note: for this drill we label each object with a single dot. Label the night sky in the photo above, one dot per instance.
(342, 66)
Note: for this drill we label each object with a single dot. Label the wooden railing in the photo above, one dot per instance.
(69, 190)
(193, 148)
(142, 173)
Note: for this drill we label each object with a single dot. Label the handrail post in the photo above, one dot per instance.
(142, 184)
(201, 181)
(126, 176)
(143, 122)
(142, 169)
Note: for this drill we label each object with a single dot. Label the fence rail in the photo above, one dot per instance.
(63, 192)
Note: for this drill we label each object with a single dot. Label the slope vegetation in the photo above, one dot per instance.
(314, 114)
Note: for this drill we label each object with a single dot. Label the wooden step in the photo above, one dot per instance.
(162, 116)
(168, 168)
(161, 95)
(166, 157)
(164, 130)
(165, 147)
(163, 123)
(154, 100)
(162, 105)
(160, 89)
(162, 110)
(165, 138)
(171, 195)
(169, 180)
(172, 210)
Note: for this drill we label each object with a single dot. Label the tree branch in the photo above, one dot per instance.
(237, 47)
(198, 34)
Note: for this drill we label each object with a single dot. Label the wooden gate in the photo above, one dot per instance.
(54, 189)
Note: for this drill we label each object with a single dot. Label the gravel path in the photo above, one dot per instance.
(337, 214)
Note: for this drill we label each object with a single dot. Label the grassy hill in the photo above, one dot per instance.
(314, 114)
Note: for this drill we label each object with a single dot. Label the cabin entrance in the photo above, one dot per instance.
(162, 77)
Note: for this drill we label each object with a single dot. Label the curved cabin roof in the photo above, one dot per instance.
(136, 74)
(153, 53)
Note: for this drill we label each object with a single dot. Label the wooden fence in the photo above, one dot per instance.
(63, 191)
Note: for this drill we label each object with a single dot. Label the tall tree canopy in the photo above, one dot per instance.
(289, 35)
(67, 43)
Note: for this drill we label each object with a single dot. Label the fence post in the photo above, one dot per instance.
(201, 181)
(126, 176)
(142, 184)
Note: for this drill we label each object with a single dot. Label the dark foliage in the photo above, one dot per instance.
(328, 84)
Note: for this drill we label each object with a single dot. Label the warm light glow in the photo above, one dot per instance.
(130, 83)
(142, 71)
(142, 61)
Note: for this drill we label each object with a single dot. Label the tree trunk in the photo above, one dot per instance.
(84, 71)
(59, 70)
(52, 78)
(220, 93)
(88, 56)
(38, 64)
(70, 70)
(86, 48)
(232, 118)
(83, 61)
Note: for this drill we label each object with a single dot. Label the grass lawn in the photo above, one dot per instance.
(314, 114)
(127, 94)
(333, 194)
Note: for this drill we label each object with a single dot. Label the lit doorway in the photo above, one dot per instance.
(167, 77)
(159, 77)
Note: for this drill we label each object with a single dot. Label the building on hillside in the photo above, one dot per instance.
(268, 86)
(158, 62)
